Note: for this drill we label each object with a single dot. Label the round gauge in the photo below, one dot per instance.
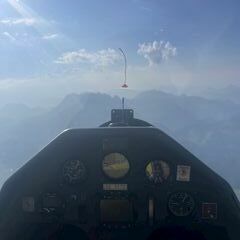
(74, 171)
(181, 204)
(157, 171)
(115, 165)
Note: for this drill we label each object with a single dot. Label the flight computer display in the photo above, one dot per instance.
(116, 211)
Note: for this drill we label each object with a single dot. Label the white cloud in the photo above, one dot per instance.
(19, 21)
(9, 36)
(50, 36)
(156, 52)
(102, 57)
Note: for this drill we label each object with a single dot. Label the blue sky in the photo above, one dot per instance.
(49, 48)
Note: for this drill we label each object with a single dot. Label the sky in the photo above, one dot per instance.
(50, 48)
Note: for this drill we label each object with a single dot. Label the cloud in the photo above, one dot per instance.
(50, 36)
(9, 36)
(156, 52)
(102, 57)
(19, 21)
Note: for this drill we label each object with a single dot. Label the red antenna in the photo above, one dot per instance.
(125, 69)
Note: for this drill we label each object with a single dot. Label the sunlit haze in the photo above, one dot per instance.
(52, 48)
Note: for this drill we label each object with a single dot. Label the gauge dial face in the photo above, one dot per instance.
(157, 171)
(181, 204)
(115, 165)
(74, 171)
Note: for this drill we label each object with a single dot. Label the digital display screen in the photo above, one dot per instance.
(116, 211)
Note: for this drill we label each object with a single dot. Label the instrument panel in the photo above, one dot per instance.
(106, 179)
(115, 168)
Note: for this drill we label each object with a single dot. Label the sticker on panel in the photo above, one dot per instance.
(183, 173)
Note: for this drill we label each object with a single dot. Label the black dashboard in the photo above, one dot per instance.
(118, 179)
